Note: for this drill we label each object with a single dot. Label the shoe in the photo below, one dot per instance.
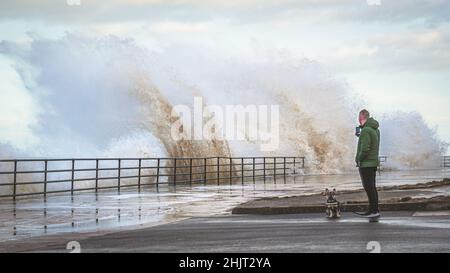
(362, 214)
(371, 215)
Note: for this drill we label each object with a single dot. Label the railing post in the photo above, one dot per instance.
(254, 169)
(231, 170)
(303, 162)
(242, 170)
(204, 170)
(15, 181)
(45, 178)
(96, 175)
(118, 178)
(284, 169)
(218, 170)
(294, 164)
(139, 174)
(174, 171)
(264, 169)
(379, 165)
(158, 164)
(190, 171)
(275, 170)
(73, 177)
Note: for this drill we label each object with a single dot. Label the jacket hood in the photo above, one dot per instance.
(371, 122)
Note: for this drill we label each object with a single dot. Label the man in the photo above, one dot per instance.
(367, 159)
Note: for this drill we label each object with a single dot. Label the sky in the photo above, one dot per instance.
(393, 53)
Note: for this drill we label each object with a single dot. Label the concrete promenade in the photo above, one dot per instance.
(396, 232)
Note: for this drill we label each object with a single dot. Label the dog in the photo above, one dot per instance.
(333, 210)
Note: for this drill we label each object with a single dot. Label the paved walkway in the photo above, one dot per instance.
(396, 232)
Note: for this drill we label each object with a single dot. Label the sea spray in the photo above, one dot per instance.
(108, 97)
(409, 142)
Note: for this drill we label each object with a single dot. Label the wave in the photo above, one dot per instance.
(109, 97)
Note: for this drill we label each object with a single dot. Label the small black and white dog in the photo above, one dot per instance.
(333, 206)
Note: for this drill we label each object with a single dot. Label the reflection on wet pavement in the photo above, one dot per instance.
(110, 210)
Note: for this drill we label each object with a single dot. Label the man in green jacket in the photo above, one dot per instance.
(367, 159)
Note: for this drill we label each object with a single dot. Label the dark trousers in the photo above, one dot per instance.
(368, 178)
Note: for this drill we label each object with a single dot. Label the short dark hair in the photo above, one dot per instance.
(365, 113)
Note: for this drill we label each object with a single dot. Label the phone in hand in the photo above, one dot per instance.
(358, 131)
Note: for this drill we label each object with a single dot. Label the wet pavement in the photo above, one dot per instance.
(395, 232)
(110, 211)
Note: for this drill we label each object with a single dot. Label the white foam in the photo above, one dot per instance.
(108, 97)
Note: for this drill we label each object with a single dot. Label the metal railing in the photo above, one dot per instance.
(382, 160)
(25, 177)
(446, 162)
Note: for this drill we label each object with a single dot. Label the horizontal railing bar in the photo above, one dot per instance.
(80, 179)
(142, 167)
(60, 191)
(133, 159)
(80, 189)
(113, 187)
(132, 185)
(136, 176)
(76, 170)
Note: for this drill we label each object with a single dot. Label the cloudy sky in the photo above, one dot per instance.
(393, 53)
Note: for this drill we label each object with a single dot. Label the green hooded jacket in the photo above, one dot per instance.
(369, 145)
